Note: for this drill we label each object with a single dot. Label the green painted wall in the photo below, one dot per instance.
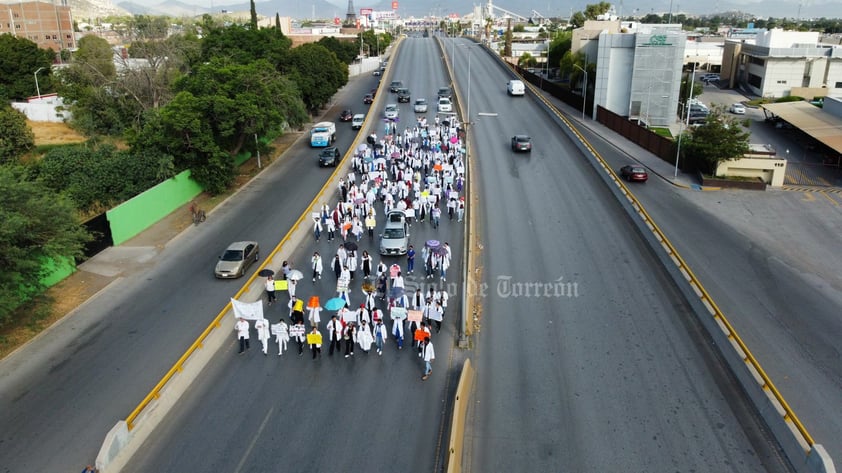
(57, 270)
(137, 214)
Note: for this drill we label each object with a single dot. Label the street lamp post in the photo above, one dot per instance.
(687, 118)
(584, 91)
(37, 88)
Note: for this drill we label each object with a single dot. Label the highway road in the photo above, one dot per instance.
(765, 277)
(365, 413)
(610, 372)
(62, 393)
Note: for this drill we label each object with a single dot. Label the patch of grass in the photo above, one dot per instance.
(661, 131)
(50, 133)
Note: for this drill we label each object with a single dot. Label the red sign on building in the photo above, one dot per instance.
(366, 11)
(394, 5)
(336, 20)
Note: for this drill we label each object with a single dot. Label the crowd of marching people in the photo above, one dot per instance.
(420, 171)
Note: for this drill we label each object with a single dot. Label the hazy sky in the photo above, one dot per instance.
(764, 8)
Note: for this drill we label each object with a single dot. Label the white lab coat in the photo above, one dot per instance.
(364, 337)
(242, 328)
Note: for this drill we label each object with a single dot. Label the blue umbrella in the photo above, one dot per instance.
(335, 304)
(396, 292)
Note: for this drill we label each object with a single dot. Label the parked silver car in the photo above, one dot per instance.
(236, 259)
(395, 237)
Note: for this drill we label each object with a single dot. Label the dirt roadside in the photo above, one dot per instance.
(74, 290)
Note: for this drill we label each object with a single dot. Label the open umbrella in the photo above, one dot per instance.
(437, 167)
(396, 154)
(313, 302)
(362, 147)
(439, 250)
(335, 304)
(368, 287)
(433, 244)
(266, 272)
(295, 275)
(396, 292)
(350, 246)
(445, 122)
(454, 139)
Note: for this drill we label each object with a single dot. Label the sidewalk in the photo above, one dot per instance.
(111, 265)
(654, 164)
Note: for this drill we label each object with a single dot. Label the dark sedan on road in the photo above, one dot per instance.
(521, 143)
(329, 156)
(346, 115)
(404, 95)
(634, 173)
(368, 99)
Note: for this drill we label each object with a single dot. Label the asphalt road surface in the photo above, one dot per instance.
(363, 413)
(759, 256)
(603, 368)
(61, 394)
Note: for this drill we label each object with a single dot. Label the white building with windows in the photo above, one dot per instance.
(638, 74)
(780, 63)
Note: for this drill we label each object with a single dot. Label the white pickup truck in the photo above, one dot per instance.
(322, 134)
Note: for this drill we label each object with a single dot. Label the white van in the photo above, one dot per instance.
(515, 87)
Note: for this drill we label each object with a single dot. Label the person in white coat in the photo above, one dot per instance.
(380, 335)
(364, 337)
(316, 266)
(242, 329)
(397, 332)
(315, 316)
(262, 328)
(429, 356)
(281, 332)
(334, 335)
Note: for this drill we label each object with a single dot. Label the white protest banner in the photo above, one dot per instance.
(247, 310)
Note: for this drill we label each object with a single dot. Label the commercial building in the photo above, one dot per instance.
(780, 63)
(638, 74)
(47, 24)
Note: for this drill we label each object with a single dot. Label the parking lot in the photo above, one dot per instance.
(807, 165)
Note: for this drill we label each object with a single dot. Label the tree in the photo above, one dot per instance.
(253, 16)
(86, 86)
(577, 20)
(244, 45)
(38, 226)
(19, 59)
(277, 21)
(718, 139)
(346, 51)
(594, 10)
(97, 177)
(559, 45)
(318, 73)
(17, 137)
(527, 60)
(150, 84)
(507, 41)
(216, 113)
(145, 27)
